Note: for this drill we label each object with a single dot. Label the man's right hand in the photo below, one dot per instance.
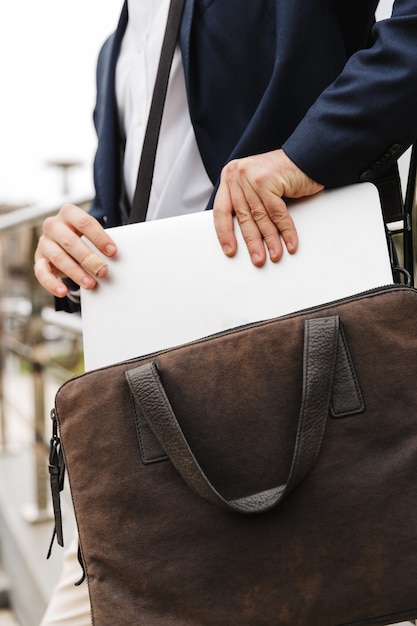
(62, 253)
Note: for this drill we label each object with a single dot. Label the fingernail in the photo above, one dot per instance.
(110, 249)
(227, 249)
(87, 282)
(101, 271)
(256, 258)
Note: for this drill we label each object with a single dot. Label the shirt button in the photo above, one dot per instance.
(139, 48)
(139, 120)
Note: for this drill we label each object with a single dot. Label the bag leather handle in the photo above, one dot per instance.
(319, 361)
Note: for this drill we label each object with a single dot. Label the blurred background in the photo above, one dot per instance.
(48, 53)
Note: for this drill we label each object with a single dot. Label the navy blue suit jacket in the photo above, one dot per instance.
(315, 77)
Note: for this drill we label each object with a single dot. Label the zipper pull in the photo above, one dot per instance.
(57, 475)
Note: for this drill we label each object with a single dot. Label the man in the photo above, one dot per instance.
(267, 99)
(312, 79)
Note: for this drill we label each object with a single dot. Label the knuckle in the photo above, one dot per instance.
(232, 168)
(38, 252)
(67, 208)
(83, 221)
(48, 225)
(258, 177)
(217, 210)
(243, 217)
(65, 211)
(282, 220)
(57, 257)
(72, 214)
(67, 243)
(37, 270)
(258, 213)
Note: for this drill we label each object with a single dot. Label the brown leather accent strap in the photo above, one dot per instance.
(57, 476)
(321, 339)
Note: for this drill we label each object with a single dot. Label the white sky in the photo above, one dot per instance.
(48, 53)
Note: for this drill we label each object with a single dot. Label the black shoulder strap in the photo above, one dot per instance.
(146, 167)
(384, 174)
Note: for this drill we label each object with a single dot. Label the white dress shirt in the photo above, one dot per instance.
(180, 184)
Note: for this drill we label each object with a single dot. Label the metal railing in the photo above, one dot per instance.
(23, 334)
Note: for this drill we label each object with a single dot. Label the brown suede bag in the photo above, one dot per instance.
(262, 476)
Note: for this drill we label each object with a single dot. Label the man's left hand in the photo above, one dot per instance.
(253, 189)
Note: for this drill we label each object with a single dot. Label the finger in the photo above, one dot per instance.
(84, 224)
(250, 230)
(267, 228)
(270, 213)
(57, 262)
(49, 278)
(223, 219)
(281, 218)
(66, 251)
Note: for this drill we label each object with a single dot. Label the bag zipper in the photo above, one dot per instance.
(249, 325)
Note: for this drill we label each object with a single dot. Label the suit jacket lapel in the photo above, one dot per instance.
(107, 170)
(107, 161)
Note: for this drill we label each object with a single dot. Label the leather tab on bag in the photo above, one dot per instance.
(346, 394)
(150, 449)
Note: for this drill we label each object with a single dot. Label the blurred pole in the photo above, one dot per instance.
(65, 167)
(39, 510)
(3, 425)
(3, 429)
